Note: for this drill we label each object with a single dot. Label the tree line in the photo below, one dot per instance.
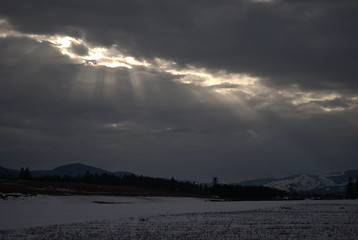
(352, 188)
(215, 189)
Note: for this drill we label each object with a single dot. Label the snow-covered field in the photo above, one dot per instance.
(100, 217)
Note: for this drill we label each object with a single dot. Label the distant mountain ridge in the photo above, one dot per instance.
(328, 183)
(72, 170)
(334, 182)
(8, 173)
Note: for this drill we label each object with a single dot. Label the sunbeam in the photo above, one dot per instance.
(227, 85)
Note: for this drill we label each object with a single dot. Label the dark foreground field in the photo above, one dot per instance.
(177, 218)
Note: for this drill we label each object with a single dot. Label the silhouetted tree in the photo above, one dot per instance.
(206, 189)
(22, 173)
(215, 186)
(172, 184)
(88, 177)
(350, 188)
(356, 188)
(25, 173)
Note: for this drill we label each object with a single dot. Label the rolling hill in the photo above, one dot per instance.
(334, 182)
(72, 170)
(328, 183)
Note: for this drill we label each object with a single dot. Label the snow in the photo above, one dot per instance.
(102, 217)
(47, 210)
(302, 183)
(334, 174)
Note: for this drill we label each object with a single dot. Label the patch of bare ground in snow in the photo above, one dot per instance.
(298, 221)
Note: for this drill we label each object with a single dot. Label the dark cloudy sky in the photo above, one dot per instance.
(183, 88)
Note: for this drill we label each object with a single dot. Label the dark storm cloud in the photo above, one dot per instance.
(225, 85)
(308, 43)
(338, 102)
(79, 49)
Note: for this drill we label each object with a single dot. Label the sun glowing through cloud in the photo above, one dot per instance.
(112, 58)
(306, 97)
(97, 56)
(228, 85)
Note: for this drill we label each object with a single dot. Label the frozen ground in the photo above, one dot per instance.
(46, 210)
(96, 217)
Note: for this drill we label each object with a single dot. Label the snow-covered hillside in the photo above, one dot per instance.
(302, 183)
(326, 183)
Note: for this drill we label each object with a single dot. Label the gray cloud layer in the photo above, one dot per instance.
(56, 111)
(309, 43)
